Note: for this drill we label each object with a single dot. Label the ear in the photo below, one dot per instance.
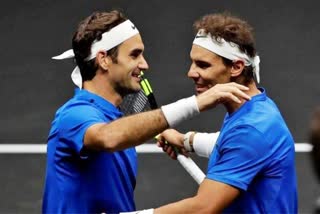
(237, 68)
(103, 60)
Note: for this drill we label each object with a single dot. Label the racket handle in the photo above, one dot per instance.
(191, 167)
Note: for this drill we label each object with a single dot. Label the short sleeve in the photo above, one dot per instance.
(74, 123)
(239, 156)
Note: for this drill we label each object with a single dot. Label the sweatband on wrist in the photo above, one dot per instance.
(148, 211)
(181, 110)
(186, 142)
(203, 143)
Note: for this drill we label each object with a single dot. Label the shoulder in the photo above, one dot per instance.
(245, 138)
(77, 112)
(242, 130)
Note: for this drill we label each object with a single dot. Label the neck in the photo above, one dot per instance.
(233, 106)
(99, 85)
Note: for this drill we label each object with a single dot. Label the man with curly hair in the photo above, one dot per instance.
(252, 166)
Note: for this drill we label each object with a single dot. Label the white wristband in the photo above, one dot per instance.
(148, 211)
(186, 141)
(181, 110)
(203, 143)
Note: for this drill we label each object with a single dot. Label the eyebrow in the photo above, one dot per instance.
(203, 63)
(136, 51)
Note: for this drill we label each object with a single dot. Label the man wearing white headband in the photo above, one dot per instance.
(91, 159)
(251, 168)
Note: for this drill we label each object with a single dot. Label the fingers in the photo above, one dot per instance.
(167, 148)
(170, 141)
(238, 91)
(222, 93)
(232, 91)
(170, 151)
(241, 87)
(227, 96)
(184, 152)
(173, 136)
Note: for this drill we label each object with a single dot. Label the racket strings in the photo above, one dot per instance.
(135, 103)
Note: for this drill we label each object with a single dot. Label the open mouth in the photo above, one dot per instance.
(136, 76)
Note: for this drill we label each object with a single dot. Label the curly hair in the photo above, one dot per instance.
(231, 29)
(89, 30)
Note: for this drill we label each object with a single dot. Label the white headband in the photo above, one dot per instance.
(226, 49)
(110, 39)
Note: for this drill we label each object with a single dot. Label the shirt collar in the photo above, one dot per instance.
(261, 96)
(100, 102)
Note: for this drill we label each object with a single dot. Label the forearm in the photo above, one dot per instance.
(208, 199)
(132, 130)
(189, 205)
(136, 129)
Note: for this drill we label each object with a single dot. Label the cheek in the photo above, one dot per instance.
(216, 75)
(210, 74)
(129, 66)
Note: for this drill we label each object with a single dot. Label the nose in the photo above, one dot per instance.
(192, 73)
(143, 65)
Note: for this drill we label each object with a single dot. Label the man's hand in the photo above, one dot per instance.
(170, 141)
(222, 93)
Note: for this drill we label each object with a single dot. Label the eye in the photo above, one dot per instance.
(202, 64)
(135, 53)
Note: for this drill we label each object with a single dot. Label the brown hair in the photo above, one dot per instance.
(89, 30)
(231, 29)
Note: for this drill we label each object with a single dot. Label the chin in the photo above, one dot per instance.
(132, 90)
(129, 90)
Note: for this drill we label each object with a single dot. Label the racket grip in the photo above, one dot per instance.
(191, 167)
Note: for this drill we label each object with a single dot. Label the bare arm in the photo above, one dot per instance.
(136, 129)
(212, 197)
(125, 132)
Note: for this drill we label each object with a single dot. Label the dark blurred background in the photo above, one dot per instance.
(32, 86)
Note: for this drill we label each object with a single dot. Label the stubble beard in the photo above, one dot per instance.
(125, 90)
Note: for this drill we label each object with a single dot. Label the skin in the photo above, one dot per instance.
(207, 71)
(114, 80)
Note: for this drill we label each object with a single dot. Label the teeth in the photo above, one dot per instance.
(141, 74)
(136, 75)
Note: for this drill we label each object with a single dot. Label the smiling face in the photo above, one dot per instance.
(124, 74)
(207, 69)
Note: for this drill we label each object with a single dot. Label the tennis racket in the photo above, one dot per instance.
(144, 100)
